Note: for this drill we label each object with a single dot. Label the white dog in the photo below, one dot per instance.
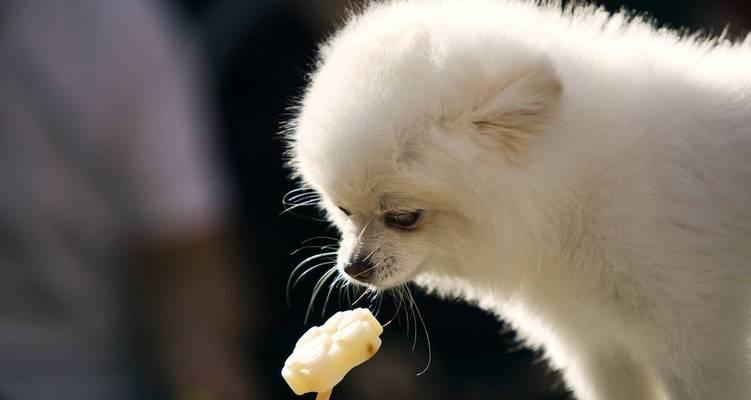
(583, 175)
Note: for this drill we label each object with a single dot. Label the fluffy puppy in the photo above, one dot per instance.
(583, 175)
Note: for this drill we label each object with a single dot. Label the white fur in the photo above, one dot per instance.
(583, 175)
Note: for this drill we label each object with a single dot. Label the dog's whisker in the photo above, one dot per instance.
(362, 231)
(427, 335)
(298, 190)
(324, 247)
(394, 295)
(349, 288)
(301, 200)
(373, 293)
(340, 294)
(289, 209)
(360, 298)
(367, 270)
(345, 293)
(299, 196)
(380, 303)
(322, 279)
(308, 240)
(402, 292)
(303, 203)
(307, 271)
(370, 255)
(304, 262)
(307, 202)
(411, 301)
(311, 258)
(399, 306)
(310, 218)
(289, 197)
(301, 265)
(371, 300)
(337, 281)
(316, 290)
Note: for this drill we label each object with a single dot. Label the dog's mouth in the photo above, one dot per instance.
(383, 274)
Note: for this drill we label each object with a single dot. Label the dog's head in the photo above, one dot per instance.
(413, 131)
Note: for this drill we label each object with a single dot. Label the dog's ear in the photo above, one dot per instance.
(515, 111)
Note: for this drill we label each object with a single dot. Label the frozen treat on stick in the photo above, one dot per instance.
(323, 355)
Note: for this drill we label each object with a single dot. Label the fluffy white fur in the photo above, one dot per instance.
(583, 175)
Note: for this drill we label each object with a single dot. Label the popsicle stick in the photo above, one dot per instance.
(324, 395)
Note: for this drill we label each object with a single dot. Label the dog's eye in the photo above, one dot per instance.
(345, 211)
(402, 220)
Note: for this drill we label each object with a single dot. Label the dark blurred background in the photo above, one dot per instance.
(247, 61)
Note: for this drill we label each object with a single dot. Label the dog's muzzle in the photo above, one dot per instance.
(360, 267)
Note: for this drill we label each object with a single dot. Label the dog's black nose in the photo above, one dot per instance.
(359, 268)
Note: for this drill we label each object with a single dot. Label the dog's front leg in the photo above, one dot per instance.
(716, 369)
(610, 374)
